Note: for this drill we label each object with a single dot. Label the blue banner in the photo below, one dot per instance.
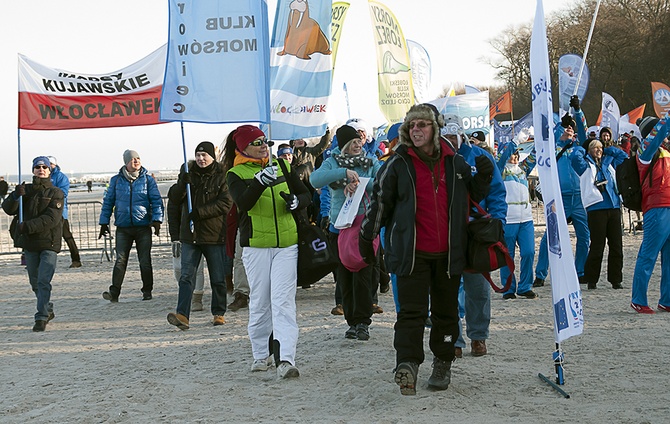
(218, 62)
(301, 69)
(504, 135)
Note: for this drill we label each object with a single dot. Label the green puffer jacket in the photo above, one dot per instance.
(264, 220)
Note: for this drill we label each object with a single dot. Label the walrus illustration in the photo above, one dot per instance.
(303, 34)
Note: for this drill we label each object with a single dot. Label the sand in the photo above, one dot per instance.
(104, 362)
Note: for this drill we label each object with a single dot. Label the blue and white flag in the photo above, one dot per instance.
(611, 115)
(218, 63)
(504, 135)
(568, 73)
(566, 295)
(301, 68)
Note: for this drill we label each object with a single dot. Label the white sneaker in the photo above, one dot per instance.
(286, 370)
(261, 364)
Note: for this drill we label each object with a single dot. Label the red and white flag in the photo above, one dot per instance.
(54, 99)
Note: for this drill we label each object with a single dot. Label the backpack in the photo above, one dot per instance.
(628, 182)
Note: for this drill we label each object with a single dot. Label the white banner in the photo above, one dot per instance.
(611, 115)
(566, 295)
(420, 64)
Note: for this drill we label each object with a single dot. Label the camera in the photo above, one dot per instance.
(601, 185)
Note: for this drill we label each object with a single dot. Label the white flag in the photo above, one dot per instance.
(566, 295)
(611, 115)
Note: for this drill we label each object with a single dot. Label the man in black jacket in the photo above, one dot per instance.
(38, 232)
(202, 231)
(421, 197)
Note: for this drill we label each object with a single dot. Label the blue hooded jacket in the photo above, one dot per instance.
(135, 204)
(60, 180)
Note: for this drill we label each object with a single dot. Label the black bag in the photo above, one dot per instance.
(316, 257)
(487, 250)
(628, 182)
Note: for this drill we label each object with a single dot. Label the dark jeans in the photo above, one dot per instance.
(41, 268)
(429, 278)
(191, 255)
(356, 291)
(71, 245)
(124, 242)
(605, 224)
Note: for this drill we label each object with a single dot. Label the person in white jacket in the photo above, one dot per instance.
(519, 229)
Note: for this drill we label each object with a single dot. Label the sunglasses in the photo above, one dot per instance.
(40, 167)
(259, 142)
(420, 124)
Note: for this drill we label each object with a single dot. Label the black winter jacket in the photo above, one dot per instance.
(42, 216)
(394, 206)
(210, 200)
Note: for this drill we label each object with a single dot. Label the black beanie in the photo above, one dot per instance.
(345, 134)
(207, 147)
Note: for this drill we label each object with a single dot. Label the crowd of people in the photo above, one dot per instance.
(237, 207)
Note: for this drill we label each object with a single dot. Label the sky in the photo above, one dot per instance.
(96, 37)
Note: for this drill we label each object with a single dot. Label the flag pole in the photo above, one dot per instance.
(511, 110)
(346, 96)
(586, 49)
(188, 184)
(19, 182)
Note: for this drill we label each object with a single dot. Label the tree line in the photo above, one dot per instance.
(628, 51)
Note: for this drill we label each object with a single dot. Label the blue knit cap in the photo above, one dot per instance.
(41, 160)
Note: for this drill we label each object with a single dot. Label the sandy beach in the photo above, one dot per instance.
(100, 362)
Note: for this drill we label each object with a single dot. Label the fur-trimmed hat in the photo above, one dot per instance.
(647, 124)
(424, 111)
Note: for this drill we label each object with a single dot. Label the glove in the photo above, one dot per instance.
(176, 249)
(104, 229)
(325, 223)
(194, 215)
(21, 228)
(366, 249)
(267, 176)
(574, 102)
(566, 120)
(484, 167)
(157, 227)
(20, 190)
(291, 201)
(187, 178)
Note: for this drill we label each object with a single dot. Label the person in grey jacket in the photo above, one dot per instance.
(134, 197)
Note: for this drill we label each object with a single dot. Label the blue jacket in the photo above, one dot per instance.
(330, 172)
(495, 202)
(135, 204)
(60, 180)
(567, 177)
(611, 156)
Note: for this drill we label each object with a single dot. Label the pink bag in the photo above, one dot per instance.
(347, 244)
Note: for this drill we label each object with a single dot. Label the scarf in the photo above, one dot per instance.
(241, 158)
(130, 176)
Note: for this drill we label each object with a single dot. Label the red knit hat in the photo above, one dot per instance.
(245, 134)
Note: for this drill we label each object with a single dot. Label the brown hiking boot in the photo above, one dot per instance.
(178, 320)
(241, 301)
(337, 310)
(218, 320)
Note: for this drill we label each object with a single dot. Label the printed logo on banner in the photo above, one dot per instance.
(662, 96)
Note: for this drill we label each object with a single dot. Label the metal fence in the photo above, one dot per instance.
(83, 218)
